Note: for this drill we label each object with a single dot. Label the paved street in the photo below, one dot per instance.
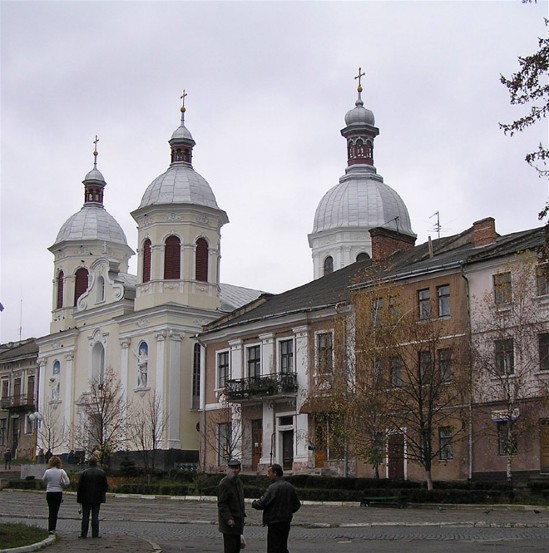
(135, 524)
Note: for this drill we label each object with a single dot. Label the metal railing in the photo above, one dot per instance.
(275, 384)
(22, 400)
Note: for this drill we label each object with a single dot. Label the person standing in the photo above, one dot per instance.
(91, 492)
(56, 480)
(278, 504)
(7, 459)
(230, 507)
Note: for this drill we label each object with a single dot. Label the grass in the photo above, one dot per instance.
(18, 535)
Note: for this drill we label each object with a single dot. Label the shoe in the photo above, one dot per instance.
(96, 537)
(82, 537)
(51, 532)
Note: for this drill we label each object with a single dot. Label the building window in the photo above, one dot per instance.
(362, 256)
(147, 259)
(395, 368)
(377, 306)
(324, 352)
(224, 434)
(503, 293)
(172, 258)
(542, 279)
(56, 367)
(80, 284)
(505, 357)
(445, 443)
(60, 283)
(201, 260)
(286, 348)
(543, 340)
(98, 362)
(253, 361)
(5, 389)
(3, 432)
(30, 389)
(197, 354)
(222, 368)
(100, 295)
(445, 364)
(142, 365)
(425, 367)
(328, 265)
(443, 295)
(424, 304)
(507, 440)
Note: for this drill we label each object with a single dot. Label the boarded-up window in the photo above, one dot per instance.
(172, 258)
(60, 281)
(81, 283)
(146, 260)
(201, 260)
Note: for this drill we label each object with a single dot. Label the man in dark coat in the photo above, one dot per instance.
(91, 492)
(230, 508)
(278, 504)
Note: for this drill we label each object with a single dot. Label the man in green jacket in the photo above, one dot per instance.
(230, 508)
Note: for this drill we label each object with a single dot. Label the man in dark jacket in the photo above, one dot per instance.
(278, 504)
(230, 508)
(91, 492)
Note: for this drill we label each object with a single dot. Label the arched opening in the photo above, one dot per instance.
(201, 260)
(98, 362)
(142, 365)
(362, 256)
(80, 284)
(60, 283)
(147, 257)
(328, 265)
(172, 258)
(100, 290)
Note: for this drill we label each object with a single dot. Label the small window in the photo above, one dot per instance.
(201, 260)
(542, 279)
(253, 360)
(425, 367)
(147, 258)
(3, 432)
(424, 304)
(445, 443)
(502, 288)
(328, 265)
(56, 367)
(222, 368)
(445, 364)
(543, 340)
(443, 294)
(286, 348)
(395, 368)
(362, 256)
(377, 306)
(143, 365)
(100, 296)
(507, 440)
(60, 283)
(505, 356)
(80, 284)
(324, 352)
(286, 420)
(172, 258)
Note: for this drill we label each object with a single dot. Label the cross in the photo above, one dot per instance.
(359, 77)
(95, 153)
(183, 96)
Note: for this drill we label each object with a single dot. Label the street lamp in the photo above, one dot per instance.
(36, 421)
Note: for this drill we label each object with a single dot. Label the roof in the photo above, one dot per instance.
(16, 350)
(233, 297)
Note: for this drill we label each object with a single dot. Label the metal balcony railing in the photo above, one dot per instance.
(22, 401)
(275, 384)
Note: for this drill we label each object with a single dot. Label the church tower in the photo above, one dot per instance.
(361, 201)
(179, 232)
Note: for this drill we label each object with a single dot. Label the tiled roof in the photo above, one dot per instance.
(14, 350)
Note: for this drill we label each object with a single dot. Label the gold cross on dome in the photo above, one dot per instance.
(95, 153)
(359, 77)
(183, 96)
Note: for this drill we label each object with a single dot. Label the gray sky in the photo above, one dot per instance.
(268, 87)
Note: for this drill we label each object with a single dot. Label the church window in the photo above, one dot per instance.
(172, 258)
(80, 284)
(178, 155)
(100, 289)
(369, 149)
(362, 256)
(328, 265)
(350, 149)
(98, 362)
(147, 260)
(201, 259)
(60, 282)
(196, 376)
(56, 367)
(142, 365)
(360, 148)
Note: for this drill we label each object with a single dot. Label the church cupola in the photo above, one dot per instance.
(360, 131)
(182, 142)
(94, 182)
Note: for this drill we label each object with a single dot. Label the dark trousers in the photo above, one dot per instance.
(277, 537)
(54, 502)
(231, 543)
(86, 509)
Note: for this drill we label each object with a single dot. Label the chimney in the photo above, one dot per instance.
(484, 232)
(385, 242)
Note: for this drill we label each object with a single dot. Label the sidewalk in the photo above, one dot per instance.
(120, 544)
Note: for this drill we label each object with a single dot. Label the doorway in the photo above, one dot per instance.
(395, 453)
(544, 445)
(257, 442)
(287, 449)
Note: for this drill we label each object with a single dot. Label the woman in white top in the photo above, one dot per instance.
(56, 480)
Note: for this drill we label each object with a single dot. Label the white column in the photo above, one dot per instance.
(124, 366)
(160, 338)
(269, 437)
(301, 334)
(174, 390)
(69, 387)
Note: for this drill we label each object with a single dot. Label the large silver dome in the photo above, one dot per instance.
(92, 222)
(361, 199)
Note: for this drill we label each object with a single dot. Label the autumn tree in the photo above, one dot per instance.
(51, 430)
(511, 353)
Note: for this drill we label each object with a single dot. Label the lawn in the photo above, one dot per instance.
(17, 535)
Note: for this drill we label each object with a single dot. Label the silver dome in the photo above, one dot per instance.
(359, 115)
(181, 133)
(94, 174)
(92, 222)
(361, 199)
(180, 184)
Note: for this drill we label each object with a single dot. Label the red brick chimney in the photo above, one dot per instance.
(386, 242)
(484, 232)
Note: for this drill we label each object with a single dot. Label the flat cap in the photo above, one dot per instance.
(234, 463)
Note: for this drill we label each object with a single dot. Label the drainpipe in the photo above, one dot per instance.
(470, 421)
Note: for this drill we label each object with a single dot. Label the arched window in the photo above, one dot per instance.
(60, 282)
(360, 148)
(172, 258)
(350, 149)
(196, 376)
(56, 367)
(55, 384)
(369, 149)
(100, 290)
(201, 260)
(362, 256)
(328, 265)
(98, 362)
(147, 251)
(142, 365)
(80, 284)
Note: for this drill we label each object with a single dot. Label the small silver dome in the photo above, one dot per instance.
(181, 133)
(94, 174)
(92, 222)
(359, 115)
(180, 184)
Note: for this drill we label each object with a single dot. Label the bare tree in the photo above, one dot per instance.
(509, 334)
(51, 430)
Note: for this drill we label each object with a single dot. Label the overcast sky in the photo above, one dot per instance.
(268, 87)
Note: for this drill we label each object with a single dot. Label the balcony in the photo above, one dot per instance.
(22, 402)
(257, 387)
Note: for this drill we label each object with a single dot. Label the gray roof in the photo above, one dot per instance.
(92, 222)
(232, 297)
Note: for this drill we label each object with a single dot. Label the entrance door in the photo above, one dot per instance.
(287, 449)
(544, 445)
(257, 442)
(320, 443)
(14, 434)
(395, 448)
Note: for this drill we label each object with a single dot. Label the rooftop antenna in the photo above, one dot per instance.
(20, 319)
(437, 226)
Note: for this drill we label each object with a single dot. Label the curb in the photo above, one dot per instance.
(50, 540)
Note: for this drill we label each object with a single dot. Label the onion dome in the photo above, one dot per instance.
(180, 184)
